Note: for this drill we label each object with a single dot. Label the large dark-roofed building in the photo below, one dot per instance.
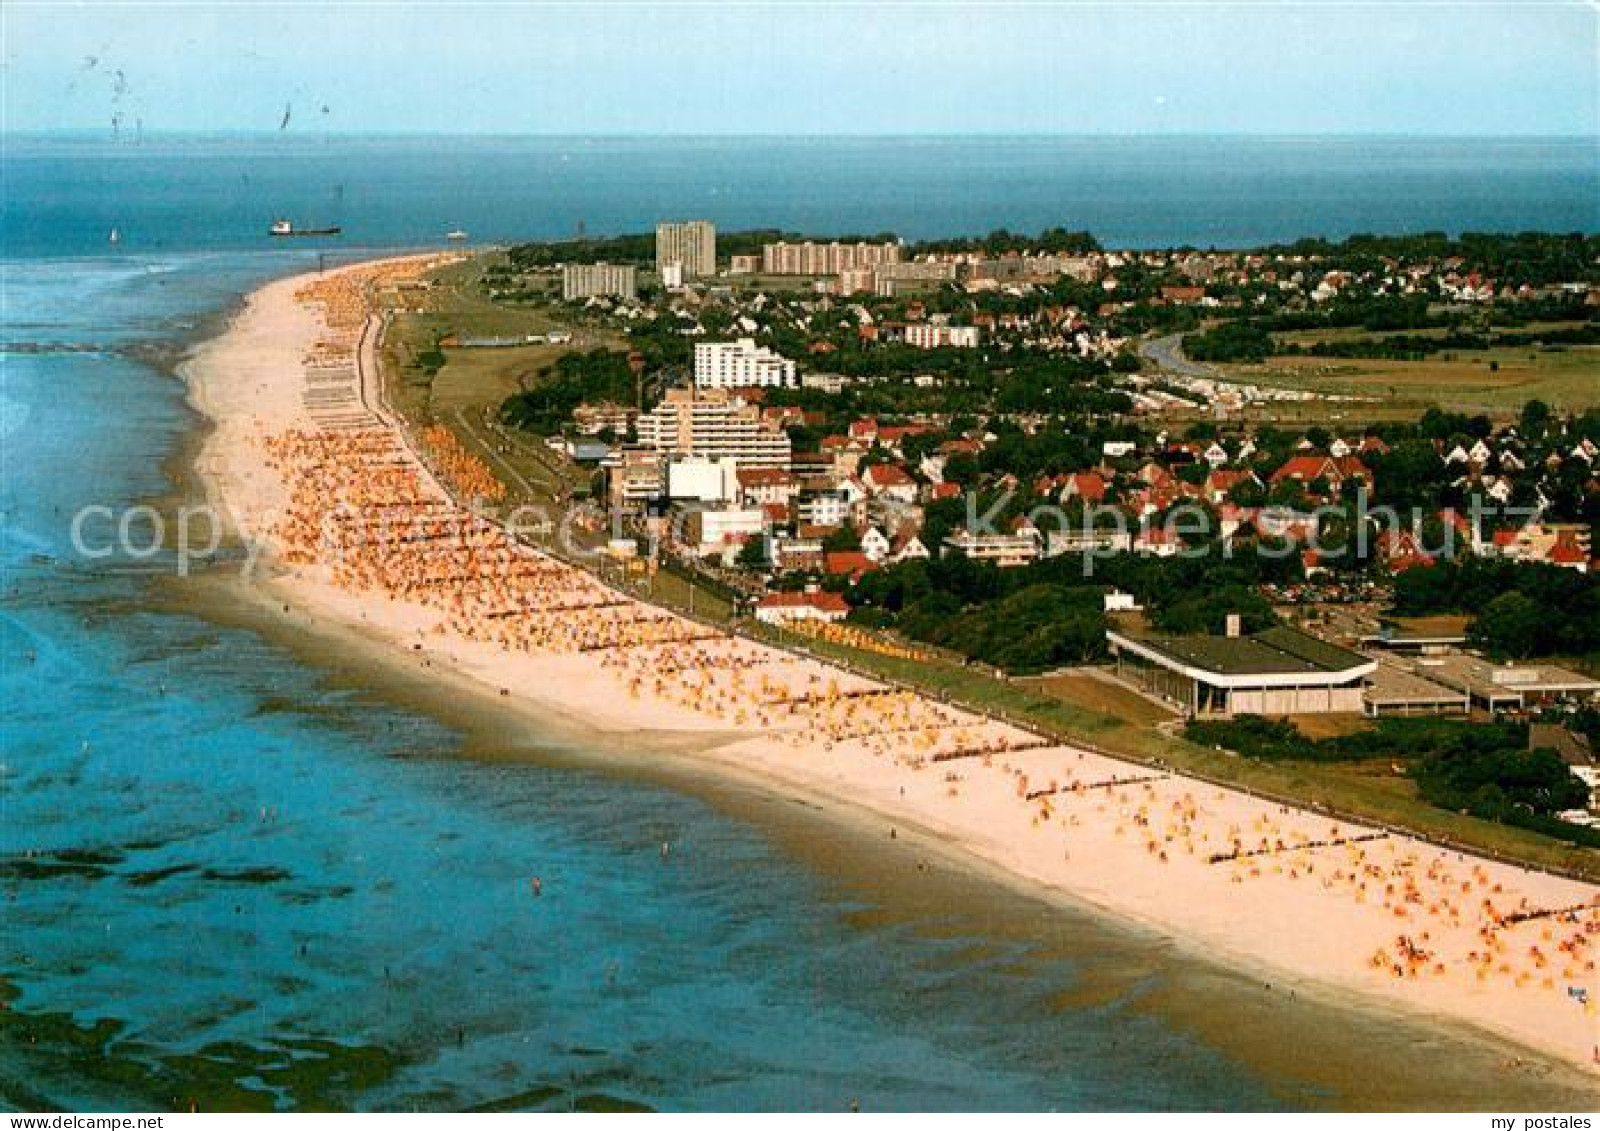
(1280, 671)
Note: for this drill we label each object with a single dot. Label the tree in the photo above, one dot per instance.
(1535, 418)
(962, 468)
(753, 554)
(842, 540)
(1509, 625)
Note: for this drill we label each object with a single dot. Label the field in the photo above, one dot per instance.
(1494, 381)
(1102, 696)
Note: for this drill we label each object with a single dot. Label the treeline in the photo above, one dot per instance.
(546, 406)
(901, 380)
(1251, 341)
(1532, 258)
(1411, 347)
(637, 248)
(1051, 241)
(1483, 769)
(1521, 609)
(1050, 614)
(1230, 342)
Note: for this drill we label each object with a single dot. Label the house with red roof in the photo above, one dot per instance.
(766, 486)
(866, 431)
(892, 481)
(1401, 551)
(812, 604)
(1335, 471)
(1220, 484)
(908, 547)
(1090, 486)
(1569, 552)
(1157, 541)
(847, 563)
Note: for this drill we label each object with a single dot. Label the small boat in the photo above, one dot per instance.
(115, 237)
(457, 235)
(285, 228)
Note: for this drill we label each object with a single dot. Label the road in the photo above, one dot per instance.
(1167, 353)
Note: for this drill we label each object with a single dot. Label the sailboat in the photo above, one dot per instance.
(115, 237)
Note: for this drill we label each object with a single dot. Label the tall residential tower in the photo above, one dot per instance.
(692, 243)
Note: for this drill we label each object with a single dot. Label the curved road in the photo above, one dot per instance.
(1167, 354)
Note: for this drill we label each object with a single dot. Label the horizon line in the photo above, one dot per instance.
(131, 134)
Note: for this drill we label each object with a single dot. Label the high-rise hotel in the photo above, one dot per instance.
(692, 243)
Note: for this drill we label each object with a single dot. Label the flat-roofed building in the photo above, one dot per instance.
(722, 531)
(929, 336)
(713, 424)
(1007, 551)
(1280, 671)
(701, 480)
(810, 258)
(917, 271)
(1507, 687)
(1397, 688)
(599, 280)
(692, 243)
(638, 476)
(741, 364)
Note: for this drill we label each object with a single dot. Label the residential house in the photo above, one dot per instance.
(813, 604)
(891, 480)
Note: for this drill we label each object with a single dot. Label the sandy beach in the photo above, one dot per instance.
(359, 528)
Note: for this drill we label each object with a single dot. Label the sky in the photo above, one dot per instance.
(798, 67)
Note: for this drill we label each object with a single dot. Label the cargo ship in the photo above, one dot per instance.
(285, 228)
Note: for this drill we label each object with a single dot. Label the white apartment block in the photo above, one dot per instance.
(928, 336)
(598, 280)
(740, 364)
(825, 258)
(692, 243)
(714, 425)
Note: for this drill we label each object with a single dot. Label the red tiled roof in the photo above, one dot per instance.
(1566, 551)
(1088, 485)
(852, 562)
(821, 601)
(888, 475)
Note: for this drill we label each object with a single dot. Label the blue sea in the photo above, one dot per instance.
(66, 192)
(236, 871)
